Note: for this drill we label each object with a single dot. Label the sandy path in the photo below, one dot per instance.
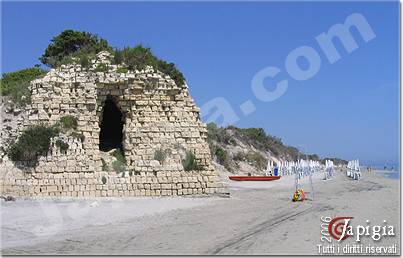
(257, 219)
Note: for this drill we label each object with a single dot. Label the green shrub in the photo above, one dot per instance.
(102, 68)
(118, 56)
(16, 84)
(221, 155)
(104, 165)
(223, 158)
(69, 122)
(122, 70)
(139, 57)
(239, 156)
(78, 135)
(63, 146)
(255, 134)
(70, 44)
(118, 154)
(84, 61)
(253, 158)
(257, 160)
(258, 138)
(190, 162)
(118, 166)
(313, 157)
(32, 143)
(21, 94)
(104, 180)
(160, 155)
(219, 134)
(293, 152)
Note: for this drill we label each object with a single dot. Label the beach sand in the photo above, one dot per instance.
(258, 218)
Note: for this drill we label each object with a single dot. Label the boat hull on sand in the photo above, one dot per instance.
(254, 178)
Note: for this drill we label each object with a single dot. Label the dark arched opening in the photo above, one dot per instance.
(111, 135)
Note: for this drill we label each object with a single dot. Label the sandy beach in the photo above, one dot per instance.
(258, 218)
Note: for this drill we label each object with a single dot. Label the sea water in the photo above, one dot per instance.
(392, 175)
(392, 170)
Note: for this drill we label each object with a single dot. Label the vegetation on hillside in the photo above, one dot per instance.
(219, 134)
(222, 157)
(255, 137)
(258, 138)
(253, 158)
(221, 139)
(15, 85)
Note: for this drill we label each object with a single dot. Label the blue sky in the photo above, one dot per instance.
(349, 109)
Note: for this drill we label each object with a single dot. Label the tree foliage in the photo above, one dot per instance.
(71, 43)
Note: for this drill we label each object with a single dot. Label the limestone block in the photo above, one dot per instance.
(52, 188)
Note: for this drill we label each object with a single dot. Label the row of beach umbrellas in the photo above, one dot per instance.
(353, 169)
(302, 168)
(329, 169)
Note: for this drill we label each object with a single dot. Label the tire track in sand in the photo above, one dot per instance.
(234, 243)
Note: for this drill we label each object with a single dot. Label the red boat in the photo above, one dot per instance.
(254, 178)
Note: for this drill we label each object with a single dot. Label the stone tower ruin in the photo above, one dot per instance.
(143, 113)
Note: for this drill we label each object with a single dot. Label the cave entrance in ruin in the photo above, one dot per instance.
(111, 135)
